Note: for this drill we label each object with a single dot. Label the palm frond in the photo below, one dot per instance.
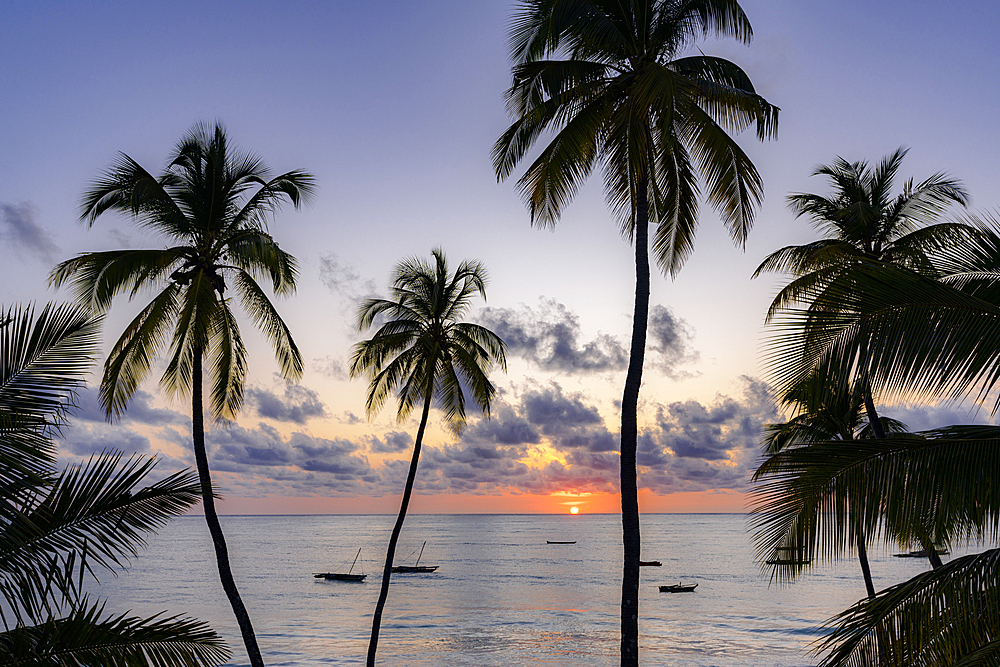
(93, 516)
(131, 358)
(44, 359)
(262, 311)
(947, 616)
(89, 636)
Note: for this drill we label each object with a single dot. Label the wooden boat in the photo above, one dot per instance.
(417, 567)
(920, 553)
(678, 588)
(557, 542)
(342, 576)
(650, 563)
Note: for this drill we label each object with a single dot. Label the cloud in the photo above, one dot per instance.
(302, 464)
(568, 421)
(20, 231)
(928, 417)
(505, 427)
(297, 404)
(555, 412)
(394, 443)
(341, 278)
(349, 418)
(331, 367)
(140, 409)
(550, 338)
(121, 239)
(670, 338)
(86, 440)
(693, 447)
(540, 440)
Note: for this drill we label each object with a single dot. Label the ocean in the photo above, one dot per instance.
(501, 595)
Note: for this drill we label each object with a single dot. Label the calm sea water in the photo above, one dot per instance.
(501, 596)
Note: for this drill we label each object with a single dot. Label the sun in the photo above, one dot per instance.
(574, 510)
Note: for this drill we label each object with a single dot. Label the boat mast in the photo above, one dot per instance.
(421, 553)
(355, 560)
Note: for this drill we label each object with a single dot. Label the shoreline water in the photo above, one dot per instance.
(501, 595)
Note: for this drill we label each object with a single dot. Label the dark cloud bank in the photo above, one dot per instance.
(686, 446)
(689, 446)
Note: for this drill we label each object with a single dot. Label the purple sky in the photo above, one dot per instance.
(394, 107)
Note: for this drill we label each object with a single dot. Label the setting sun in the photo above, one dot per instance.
(574, 510)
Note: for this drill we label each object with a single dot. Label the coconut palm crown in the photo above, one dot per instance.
(212, 205)
(863, 219)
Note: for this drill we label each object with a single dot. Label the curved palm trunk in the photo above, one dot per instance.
(866, 569)
(212, 519)
(932, 554)
(630, 408)
(394, 538)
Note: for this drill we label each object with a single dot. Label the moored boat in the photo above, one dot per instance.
(678, 588)
(342, 576)
(416, 568)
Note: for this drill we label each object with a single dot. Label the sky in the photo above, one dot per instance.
(394, 107)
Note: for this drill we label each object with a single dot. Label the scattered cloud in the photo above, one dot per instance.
(300, 464)
(121, 239)
(670, 338)
(349, 418)
(540, 439)
(86, 440)
(140, 409)
(550, 336)
(394, 442)
(928, 417)
(331, 367)
(20, 231)
(343, 279)
(296, 404)
(693, 447)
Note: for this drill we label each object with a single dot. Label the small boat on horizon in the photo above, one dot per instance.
(650, 563)
(416, 567)
(558, 542)
(678, 588)
(921, 553)
(342, 576)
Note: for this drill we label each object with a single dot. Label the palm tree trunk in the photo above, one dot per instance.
(866, 569)
(394, 538)
(630, 408)
(873, 420)
(212, 519)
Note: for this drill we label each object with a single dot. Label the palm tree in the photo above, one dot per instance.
(823, 412)
(923, 337)
(424, 354)
(212, 204)
(56, 529)
(610, 81)
(864, 220)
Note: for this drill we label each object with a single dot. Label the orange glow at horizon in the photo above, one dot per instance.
(559, 503)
